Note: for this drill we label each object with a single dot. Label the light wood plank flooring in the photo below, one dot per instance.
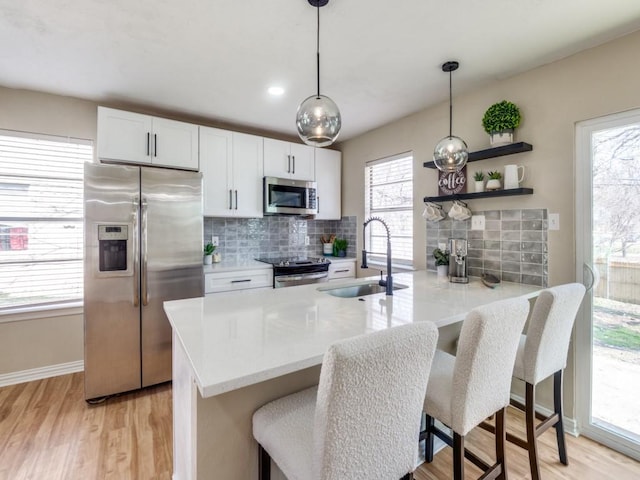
(47, 431)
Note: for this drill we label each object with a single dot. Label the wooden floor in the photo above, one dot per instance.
(47, 431)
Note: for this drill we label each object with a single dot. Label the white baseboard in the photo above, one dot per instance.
(570, 424)
(40, 373)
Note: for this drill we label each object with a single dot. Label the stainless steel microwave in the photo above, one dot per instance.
(284, 196)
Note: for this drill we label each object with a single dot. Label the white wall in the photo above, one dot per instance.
(552, 99)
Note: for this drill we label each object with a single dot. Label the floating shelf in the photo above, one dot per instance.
(470, 196)
(501, 151)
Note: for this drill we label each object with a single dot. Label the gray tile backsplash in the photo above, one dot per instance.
(276, 236)
(513, 245)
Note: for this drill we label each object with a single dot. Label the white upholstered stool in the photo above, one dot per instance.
(543, 352)
(363, 419)
(475, 384)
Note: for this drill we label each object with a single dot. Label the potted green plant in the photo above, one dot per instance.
(442, 262)
(500, 120)
(209, 248)
(478, 177)
(340, 247)
(494, 181)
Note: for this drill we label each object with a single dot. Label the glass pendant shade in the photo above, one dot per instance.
(318, 121)
(451, 154)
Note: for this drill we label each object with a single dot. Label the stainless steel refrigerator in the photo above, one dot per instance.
(143, 246)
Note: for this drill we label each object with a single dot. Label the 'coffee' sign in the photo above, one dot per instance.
(452, 183)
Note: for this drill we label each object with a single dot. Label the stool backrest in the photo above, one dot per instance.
(484, 361)
(369, 403)
(549, 331)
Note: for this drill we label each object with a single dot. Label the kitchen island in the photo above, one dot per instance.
(236, 351)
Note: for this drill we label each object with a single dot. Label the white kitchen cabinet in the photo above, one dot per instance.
(231, 165)
(328, 180)
(136, 138)
(341, 269)
(288, 160)
(237, 280)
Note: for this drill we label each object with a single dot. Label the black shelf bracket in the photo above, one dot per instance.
(490, 194)
(501, 151)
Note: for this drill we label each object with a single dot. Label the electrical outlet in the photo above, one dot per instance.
(554, 221)
(306, 240)
(477, 222)
(215, 240)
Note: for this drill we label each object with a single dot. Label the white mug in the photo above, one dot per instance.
(511, 178)
(459, 212)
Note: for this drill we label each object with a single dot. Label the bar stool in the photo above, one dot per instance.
(362, 420)
(475, 384)
(543, 352)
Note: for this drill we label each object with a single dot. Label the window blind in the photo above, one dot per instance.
(41, 218)
(389, 196)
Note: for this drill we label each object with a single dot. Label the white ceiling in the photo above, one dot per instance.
(380, 60)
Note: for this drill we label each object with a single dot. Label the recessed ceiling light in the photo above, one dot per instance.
(276, 91)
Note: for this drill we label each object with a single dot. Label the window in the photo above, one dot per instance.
(41, 218)
(389, 195)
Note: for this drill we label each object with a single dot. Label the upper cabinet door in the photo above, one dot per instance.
(137, 138)
(124, 136)
(216, 150)
(175, 144)
(329, 179)
(303, 162)
(288, 160)
(247, 175)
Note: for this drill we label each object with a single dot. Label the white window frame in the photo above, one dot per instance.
(33, 309)
(379, 260)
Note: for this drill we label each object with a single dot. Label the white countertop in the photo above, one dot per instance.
(232, 266)
(236, 339)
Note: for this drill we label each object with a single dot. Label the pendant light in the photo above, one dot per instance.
(318, 117)
(451, 153)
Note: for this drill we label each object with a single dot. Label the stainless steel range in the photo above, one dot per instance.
(288, 272)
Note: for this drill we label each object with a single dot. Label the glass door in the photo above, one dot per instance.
(608, 261)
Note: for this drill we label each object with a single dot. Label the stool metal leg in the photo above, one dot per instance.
(530, 419)
(428, 441)
(557, 403)
(264, 464)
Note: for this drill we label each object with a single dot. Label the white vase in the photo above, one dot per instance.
(479, 185)
(207, 259)
(443, 270)
(493, 184)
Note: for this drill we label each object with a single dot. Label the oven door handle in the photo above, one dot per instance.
(304, 276)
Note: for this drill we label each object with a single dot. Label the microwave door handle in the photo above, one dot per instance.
(145, 296)
(136, 252)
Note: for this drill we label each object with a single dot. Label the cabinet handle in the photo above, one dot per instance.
(236, 199)
(241, 281)
(294, 164)
(288, 163)
(148, 142)
(230, 199)
(342, 271)
(318, 204)
(155, 145)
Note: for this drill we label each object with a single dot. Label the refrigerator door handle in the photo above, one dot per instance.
(143, 228)
(136, 256)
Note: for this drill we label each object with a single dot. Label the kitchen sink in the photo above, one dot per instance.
(359, 290)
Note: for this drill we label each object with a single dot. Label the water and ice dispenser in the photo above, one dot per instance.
(112, 246)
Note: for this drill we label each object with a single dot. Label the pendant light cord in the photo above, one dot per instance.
(318, 49)
(450, 108)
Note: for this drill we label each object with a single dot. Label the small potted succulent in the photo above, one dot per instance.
(494, 181)
(499, 121)
(478, 177)
(340, 247)
(209, 248)
(442, 262)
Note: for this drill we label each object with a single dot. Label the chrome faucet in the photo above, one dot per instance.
(388, 283)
